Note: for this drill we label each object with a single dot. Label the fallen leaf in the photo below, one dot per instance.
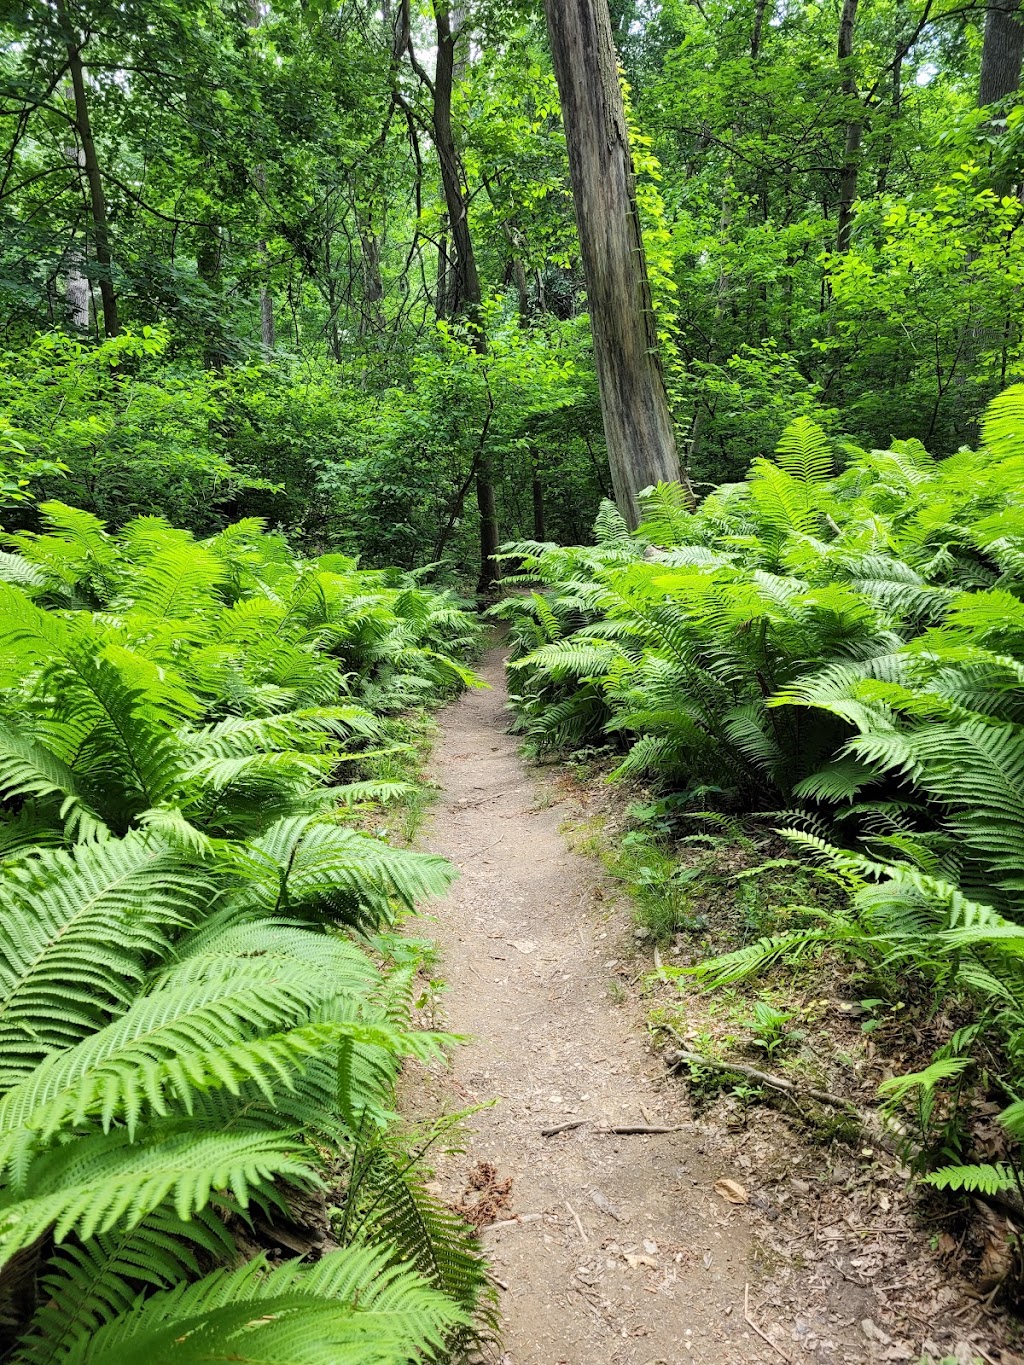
(874, 1333)
(524, 945)
(732, 1191)
(634, 1261)
(604, 1204)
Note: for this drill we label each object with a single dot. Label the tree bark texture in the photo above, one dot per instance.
(464, 294)
(463, 287)
(76, 281)
(268, 336)
(1002, 51)
(208, 268)
(638, 426)
(850, 169)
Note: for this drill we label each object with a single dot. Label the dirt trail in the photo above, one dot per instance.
(621, 1250)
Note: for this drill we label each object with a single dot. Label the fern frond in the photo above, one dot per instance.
(981, 1179)
(804, 452)
(106, 1181)
(75, 930)
(352, 1305)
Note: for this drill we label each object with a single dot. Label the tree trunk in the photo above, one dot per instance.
(1001, 52)
(464, 294)
(758, 29)
(268, 336)
(89, 162)
(638, 426)
(372, 312)
(487, 503)
(895, 113)
(851, 152)
(76, 281)
(76, 288)
(443, 271)
(519, 275)
(539, 523)
(208, 268)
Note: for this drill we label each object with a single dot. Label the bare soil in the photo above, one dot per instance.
(626, 1249)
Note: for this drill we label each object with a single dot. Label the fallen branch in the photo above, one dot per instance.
(685, 1058)
(631, 1129)
(891, 1139)
(576, 1220)
(621, 1130)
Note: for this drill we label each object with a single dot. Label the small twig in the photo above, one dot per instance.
(882, 1130)
(639, 1129)
(483, 800)
(477, 851)
(751, 1323)
(576, 1220)
(619, 1130)
(980, 1350)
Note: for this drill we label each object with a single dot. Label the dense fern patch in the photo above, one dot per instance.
(196, 1028)
(841, 639)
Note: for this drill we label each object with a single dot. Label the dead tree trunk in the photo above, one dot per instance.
(637, 423)
(76, 281)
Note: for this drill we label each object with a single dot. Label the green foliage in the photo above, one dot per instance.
(119, 430)
(192, 1033)
(351, 1305)
(848, 647)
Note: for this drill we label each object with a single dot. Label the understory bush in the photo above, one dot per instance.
(204, 1002)
(839, 638)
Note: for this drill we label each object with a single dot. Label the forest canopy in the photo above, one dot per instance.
(320, 263)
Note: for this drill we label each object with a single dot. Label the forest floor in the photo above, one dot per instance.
(627, 1249)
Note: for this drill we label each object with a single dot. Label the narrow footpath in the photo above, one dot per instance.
(608, 1247)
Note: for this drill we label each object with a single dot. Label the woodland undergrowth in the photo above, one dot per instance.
(833, 649)
(206, 1001)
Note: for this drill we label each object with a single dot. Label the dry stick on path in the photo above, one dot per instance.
(576, 1220)
(624, 1130)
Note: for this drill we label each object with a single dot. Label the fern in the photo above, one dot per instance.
(804, 453)
(351, 1305)
(76, 931)
(1003, 427)
(982, 1179)
(182, 1038)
